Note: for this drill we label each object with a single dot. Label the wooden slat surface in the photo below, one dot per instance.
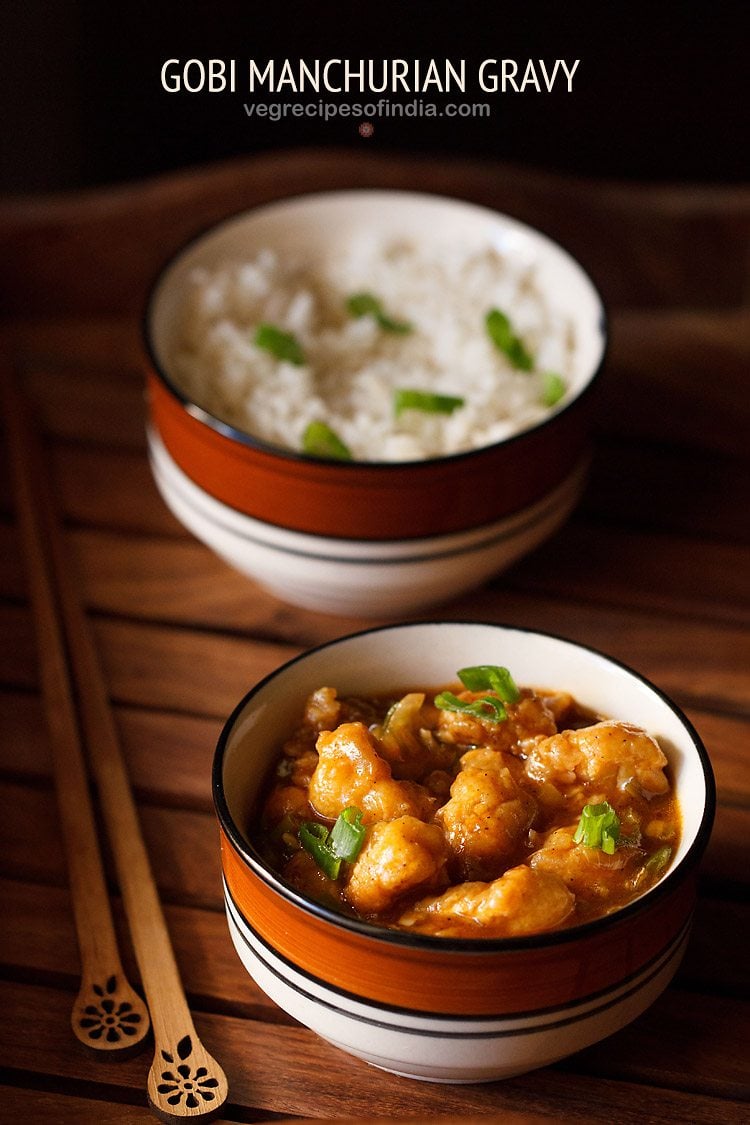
(653, 568)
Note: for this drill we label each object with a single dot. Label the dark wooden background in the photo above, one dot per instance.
(654, 568)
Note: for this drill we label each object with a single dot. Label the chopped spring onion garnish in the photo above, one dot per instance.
(367, 304)
(319, 440)
(656, 862)
(329, 847)
(426, 401)
(553, 388)
(505, 340)
(481, 677)
(599, 827)
(348, 834)
(487, 708)
(283, 345)
(314, 839)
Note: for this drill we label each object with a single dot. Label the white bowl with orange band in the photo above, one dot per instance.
(453, 1010)
(360, 577)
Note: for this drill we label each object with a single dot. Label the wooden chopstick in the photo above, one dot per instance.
(107, 1015)
(184, 1080)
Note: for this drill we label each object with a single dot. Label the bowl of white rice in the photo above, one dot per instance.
(370, 401)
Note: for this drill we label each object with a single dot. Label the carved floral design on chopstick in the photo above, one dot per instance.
(186, 1083)
(106, 1017)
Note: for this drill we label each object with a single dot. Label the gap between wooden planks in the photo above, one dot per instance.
(318, 1079)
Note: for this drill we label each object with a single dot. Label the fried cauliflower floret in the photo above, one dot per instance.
(561, 704)
(521, 901)
(487, 815)
(605, 754)
(589, 872)
(322, 709)
(399, 856)
(285, 801)
(351, 772)
(288, 798)
(527, 719)
(302, 769)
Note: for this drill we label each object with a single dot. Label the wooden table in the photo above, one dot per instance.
(654, 568)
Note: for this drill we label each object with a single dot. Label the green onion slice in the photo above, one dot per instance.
(343, 842)
(553, 388)
(426, 401)
(367, 304)
(363, 304)
(319, 440)
(658, 860)
(348, 834)
(481, 677)
(599, 827)
(314, 839)
(283, 345)
(505, 340)
(487, 708)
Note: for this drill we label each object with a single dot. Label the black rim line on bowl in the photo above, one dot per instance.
(650, 968)
(491, 539)
(242, 437)
(462, 945)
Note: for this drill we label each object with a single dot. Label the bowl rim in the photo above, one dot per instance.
(253, 442)
(430, 942)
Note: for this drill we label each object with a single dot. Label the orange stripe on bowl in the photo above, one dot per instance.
(455, 982)
(363, 501)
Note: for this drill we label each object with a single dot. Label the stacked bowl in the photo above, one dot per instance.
(370, 537)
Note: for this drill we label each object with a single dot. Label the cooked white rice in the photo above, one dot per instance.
(352, 366)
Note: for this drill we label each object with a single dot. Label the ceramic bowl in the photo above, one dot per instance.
(415, 528)
(360, 576)
(453, 1010)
